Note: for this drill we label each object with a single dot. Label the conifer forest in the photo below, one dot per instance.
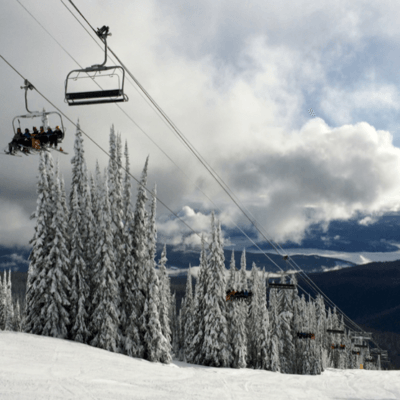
(93, 278)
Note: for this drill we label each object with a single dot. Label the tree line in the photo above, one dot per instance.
(93, 278)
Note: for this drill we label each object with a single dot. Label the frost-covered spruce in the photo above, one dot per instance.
(156, 346)
(274, 333)
(286, 316)
(215, 345)
(165, 297)
(104, 319)
(320, 334)
(33, 321)
(188, 313)
(55, 310)
(128, 318)
(2, 304)
(264, 361)
(238, 328)
(140, 254)
(196, 354)
(233, 276)
(79, 284)
(9, 308)
(253, 326)
(114, 178)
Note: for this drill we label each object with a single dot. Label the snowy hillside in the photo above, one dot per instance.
(35, 367)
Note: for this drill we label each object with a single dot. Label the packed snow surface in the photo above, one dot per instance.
(34, 367)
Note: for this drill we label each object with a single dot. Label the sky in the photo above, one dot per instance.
(239, 79)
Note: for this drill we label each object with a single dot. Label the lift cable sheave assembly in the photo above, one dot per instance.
(209, 169)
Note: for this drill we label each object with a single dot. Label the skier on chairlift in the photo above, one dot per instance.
(13, 146)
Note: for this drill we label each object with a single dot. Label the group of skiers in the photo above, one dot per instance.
(36, 139)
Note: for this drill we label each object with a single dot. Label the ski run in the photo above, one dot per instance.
(38, 368)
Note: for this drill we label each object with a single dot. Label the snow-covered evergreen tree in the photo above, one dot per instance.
(157, 348)
(264, 361)
(141, 265)
(196, 354)
(287, 348)
(274, 332)
(34, 299)
(9, 308)
(55, 310)
(104, 319)
(254, 322)
(188, 314)
(165, 297)
(215, 345)
(79, 283)
(2, 304)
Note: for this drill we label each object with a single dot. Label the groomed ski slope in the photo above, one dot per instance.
(34, 367)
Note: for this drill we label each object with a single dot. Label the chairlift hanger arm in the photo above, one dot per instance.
(27, 86)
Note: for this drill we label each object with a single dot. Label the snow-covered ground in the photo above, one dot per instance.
(34, 367)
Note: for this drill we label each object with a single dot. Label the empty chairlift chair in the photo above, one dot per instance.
(96, 84)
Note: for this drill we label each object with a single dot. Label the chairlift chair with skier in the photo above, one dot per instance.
(31, 142)
(79, 88)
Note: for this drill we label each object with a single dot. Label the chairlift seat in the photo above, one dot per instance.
(338, 331)
(281, 286)
(113, 94)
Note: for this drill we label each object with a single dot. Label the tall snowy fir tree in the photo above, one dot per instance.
(156, 346)
(128, 318)
(79, 282)
(9, 309)
(254, 347)
(238, 321)
(274, 332)
(188, 315)
(286, 321)
(141, 264)
(165, 297)
(55, 311)
(104, 319)
(2, 304)
(215, 345)
(264, 361)
(196, 354)
(117, 224)
(34, 299)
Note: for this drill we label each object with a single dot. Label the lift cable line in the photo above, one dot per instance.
(145, 133)
(163, 114)
(223, 185)
(128, 116)
(102, 149)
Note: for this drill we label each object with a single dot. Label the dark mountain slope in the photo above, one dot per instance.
(368, 294)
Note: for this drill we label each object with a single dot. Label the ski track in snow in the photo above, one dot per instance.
(35, 367)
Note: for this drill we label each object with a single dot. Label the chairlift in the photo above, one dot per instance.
(306, 335)
(233, 295)
(283, 286)
(79, 82)
(360, 345)
(39, 118)
(336, 331)
(338, 346)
